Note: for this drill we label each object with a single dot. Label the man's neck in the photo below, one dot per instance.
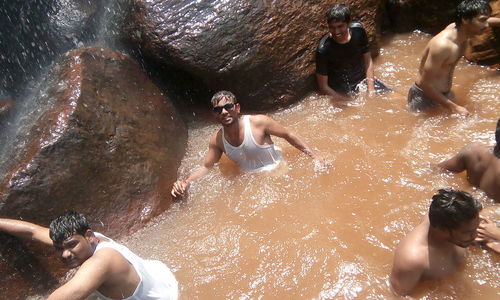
(437, 239)
(462, 34)
(233, 129)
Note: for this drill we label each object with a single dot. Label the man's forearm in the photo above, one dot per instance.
(198, 173)
(295, 141)
(438, 97)
(25, 230)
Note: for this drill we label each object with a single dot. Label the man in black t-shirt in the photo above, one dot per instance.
(343, 59)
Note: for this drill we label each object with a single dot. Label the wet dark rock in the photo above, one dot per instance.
(26, 269)
(425, 15)
(36, 32)
(485, 49)
(263, 51)
(103, 140)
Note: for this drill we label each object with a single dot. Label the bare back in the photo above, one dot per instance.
(439, 60)
(483, 169)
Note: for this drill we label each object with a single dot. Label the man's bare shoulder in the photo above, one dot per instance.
(216, 139)
(412, 251)
(444, 42)
(260, 120)
(476, 150)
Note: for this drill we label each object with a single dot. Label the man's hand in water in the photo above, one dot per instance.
(489, 234)
(457, 109)
(179, 188)
(321, 164)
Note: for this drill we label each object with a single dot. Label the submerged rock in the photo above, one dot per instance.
(102, 139)
(263, 51)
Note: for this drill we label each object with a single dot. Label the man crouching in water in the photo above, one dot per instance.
(246, 140)
(441, 55)
(436, 247)
(107, 268)
(482, 165)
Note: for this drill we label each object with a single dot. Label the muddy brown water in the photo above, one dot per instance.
(295, 233)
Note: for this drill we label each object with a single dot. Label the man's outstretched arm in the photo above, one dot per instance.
(25, 230)
(271, 127)
(456, 164)
(89, 277)
(211, 158)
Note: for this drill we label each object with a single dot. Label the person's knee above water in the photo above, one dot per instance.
(433, 85)
(343, 59)
(244, 139)
(107, 268)
(436, 247)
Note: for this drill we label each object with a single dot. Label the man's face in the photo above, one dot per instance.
(339, 31)
(75, 250)
(465, 235)
(476, 25)
(229, 111)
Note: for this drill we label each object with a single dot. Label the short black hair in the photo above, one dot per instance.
(469, 9)
(449, 208)
(67, 225)
(222, 95)
(339, 12)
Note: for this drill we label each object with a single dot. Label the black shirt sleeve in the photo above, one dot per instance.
(321, 57)
(364, 41)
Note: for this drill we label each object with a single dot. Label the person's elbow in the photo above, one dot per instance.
(397, 288)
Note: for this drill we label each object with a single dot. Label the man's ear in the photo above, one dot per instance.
(89, 235)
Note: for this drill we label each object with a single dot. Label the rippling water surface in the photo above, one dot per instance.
(296, 233)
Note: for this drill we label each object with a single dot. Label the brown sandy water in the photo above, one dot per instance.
(296, 233)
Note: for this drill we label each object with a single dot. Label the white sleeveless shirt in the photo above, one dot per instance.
(157, 281)
(251, 156)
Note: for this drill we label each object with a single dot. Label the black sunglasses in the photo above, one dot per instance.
(227, 107)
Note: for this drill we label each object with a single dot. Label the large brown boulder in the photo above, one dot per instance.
(263, 51)
(485, 49)
(101, 139)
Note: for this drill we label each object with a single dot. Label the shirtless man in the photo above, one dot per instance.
(343, 58)
(244, 139)
(436, 247)
(482, 166)
(433, 84)
(106, 267)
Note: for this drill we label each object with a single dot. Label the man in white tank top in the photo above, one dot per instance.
(244, 139)
(105, 267)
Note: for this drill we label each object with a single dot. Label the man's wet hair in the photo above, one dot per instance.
(67, 225)
(217, 97)
(496, 150)
(449, 208)
(339, 12)
(469, 9)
